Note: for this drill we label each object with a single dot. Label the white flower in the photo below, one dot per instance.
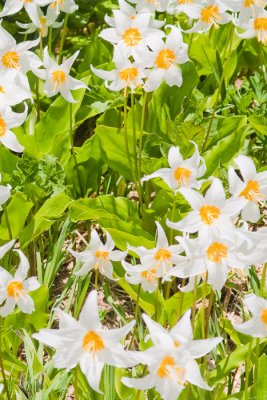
(42, 24)
(131, 34)
(162, 257)
(98, 256)
(257, 325)
(171, 362)
(150, 5)
(12, 92)
(9, 120)
(245, 8)
(256, 26)
(5, 248)
(212, 214)
(14, 290)
(208, 13)
(17, 57)
(127, 73)
(86, 343)
(179, 6)
(252, 187)
(5, 193)
(57, 77)
(14, 6)
(56, 6)
(165, 59)
(141, 274)
(215, 256)
(182, 173)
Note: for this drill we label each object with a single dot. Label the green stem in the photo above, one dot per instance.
(247, 369)
(209, 312)
(142, 134)
(50, 39)
(135, 316)
(126, 132)
(96, 278)
(2, 365)
(134, 135)
(256, 371)
(73, 152)
(7, 221)
(204, 308)
(263, 280)
(194, 303)
(62, 40)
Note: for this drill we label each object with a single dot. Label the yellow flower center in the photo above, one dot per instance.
(149, 275)
(14, 289)
(184, 1)
(249, 3)
(2, 90)
(165, 59)
(264, 316)
(260, 25)
(251, 191)
(2, 126)
(58, 78)
(27, 1)
(168, 369)
(182, 175)
(177, 344)
(132, 37)
(208, 214)
(11, 60)
(129, 74)
(209, 14)
(92, 342)
(216, 252)
(56, 3)
(162, 255)
(102, 254)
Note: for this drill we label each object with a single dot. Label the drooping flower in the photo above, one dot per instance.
(252, 187)
(86, 343)
(98, 256)
(57, 77)
(141, 274)
(15, 290)
(127, 73)
(256, 26)
(57, 6)
(9, 120)
(182, 173)
(41, 25)
(171, 361)
(257, 325)
(12, 92)
(31, 7)
(212, 214)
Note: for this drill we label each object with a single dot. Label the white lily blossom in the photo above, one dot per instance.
(9, 120)
(256, 26)
(87, 343)
(132, 34)
(212, 214)
(208, 13)
(165, 58)
(150, 5)
(162, 257)
(16, 57)
(98, 256)
(141, 274)
(15, 290)
(257, 325)
(57, 77)
(12, 92)
(41, 25)
(127, 73)
(252, 187)
(182, 173)
(171, 361)
(31, 7)
(5, 193)
(57, 6)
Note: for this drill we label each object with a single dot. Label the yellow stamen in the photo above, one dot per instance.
(182, 175)
(184, 1)
(2, 126)
(162, 255)
(209, 14)
(216, 252)
(14, 289)
(209, 213)
(264, 316)
(149, 275)
(56, 3)
(248, 3)
(132, 37)
(260, 25)
(177, 344)
(165, 59)
(102, 254)
(92, 342)
(11, 60)
(129, 74)
(2, 90)
(58, 78)
(168, 369)
(252, 191)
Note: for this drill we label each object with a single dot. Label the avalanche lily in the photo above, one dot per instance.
(31, 7)
(257, 325)
(14, 290)
(98, 256)
(86, 343)
(9, 120)
(182, 173)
